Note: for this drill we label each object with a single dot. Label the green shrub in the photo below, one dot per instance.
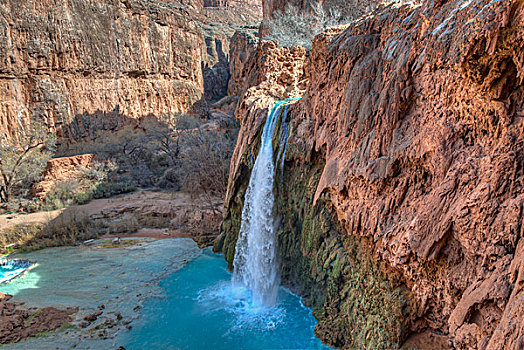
(62, 195)
(83, 198)
(108, 189)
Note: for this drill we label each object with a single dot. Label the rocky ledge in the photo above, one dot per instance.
(17, 323)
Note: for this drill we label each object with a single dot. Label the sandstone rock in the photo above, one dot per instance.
(416, 112)
(92, 317)
(60, 169)
(158, 215)
(64, 60)
(243, 46)
(85, 65)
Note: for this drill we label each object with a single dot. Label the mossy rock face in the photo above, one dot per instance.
(358, 302)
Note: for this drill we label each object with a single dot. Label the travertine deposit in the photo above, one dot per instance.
(403, 178)
(17, 323)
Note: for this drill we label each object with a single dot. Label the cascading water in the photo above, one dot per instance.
(284, 135)
(200, 307)
(256, 263)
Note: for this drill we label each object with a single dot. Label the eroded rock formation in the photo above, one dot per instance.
(17, 323)
(62, 169)
(342, 9)
(73, 62)
(401, 198)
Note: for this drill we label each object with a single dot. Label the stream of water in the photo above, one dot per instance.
(167, 294)
(256, 264)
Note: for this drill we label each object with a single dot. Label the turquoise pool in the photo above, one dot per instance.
(10, 269)
(170, 295)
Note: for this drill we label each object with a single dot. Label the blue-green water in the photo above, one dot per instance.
(202, 311)
(11, 269)
(171, 295)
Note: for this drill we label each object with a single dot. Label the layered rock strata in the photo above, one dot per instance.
(67, 59)
(80, 65)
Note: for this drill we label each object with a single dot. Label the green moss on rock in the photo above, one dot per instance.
(358, 305)
(357, 300)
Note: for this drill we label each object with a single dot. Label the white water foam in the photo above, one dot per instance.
(256, 265)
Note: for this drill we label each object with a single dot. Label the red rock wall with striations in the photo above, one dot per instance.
(62, 59)
(418, 113)
(82, 65)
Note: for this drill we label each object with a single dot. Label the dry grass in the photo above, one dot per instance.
(69, 228)
(128, 223)
(109, 243)
(154, 221)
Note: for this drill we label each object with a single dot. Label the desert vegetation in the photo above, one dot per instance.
(23, 159)
(296, 26)
(177, 152)
(67, 229)
(293, 27)
(174, 153)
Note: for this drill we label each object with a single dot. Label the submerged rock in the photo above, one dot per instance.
(92, 317)
(17, 323)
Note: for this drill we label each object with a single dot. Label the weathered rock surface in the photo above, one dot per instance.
(67, 59)
(71, 62)
(353, 8)
(60, 169)
(156, 214)
(219, 23)
(17, 323)
(410, 135)
(343, 9)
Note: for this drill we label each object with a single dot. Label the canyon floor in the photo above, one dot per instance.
(169, 215)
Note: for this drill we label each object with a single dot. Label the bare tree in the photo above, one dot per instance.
(205, 164)
(165, 140)
(24, 157)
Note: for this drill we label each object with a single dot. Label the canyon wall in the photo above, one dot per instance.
(347, 9)
(63, 60)
(401, 199)
(79, 65)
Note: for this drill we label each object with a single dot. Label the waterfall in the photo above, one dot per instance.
(256, 262)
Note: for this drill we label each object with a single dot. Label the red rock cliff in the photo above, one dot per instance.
(61, 59)
(71, 62)
(417, 113)
(419, 116)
